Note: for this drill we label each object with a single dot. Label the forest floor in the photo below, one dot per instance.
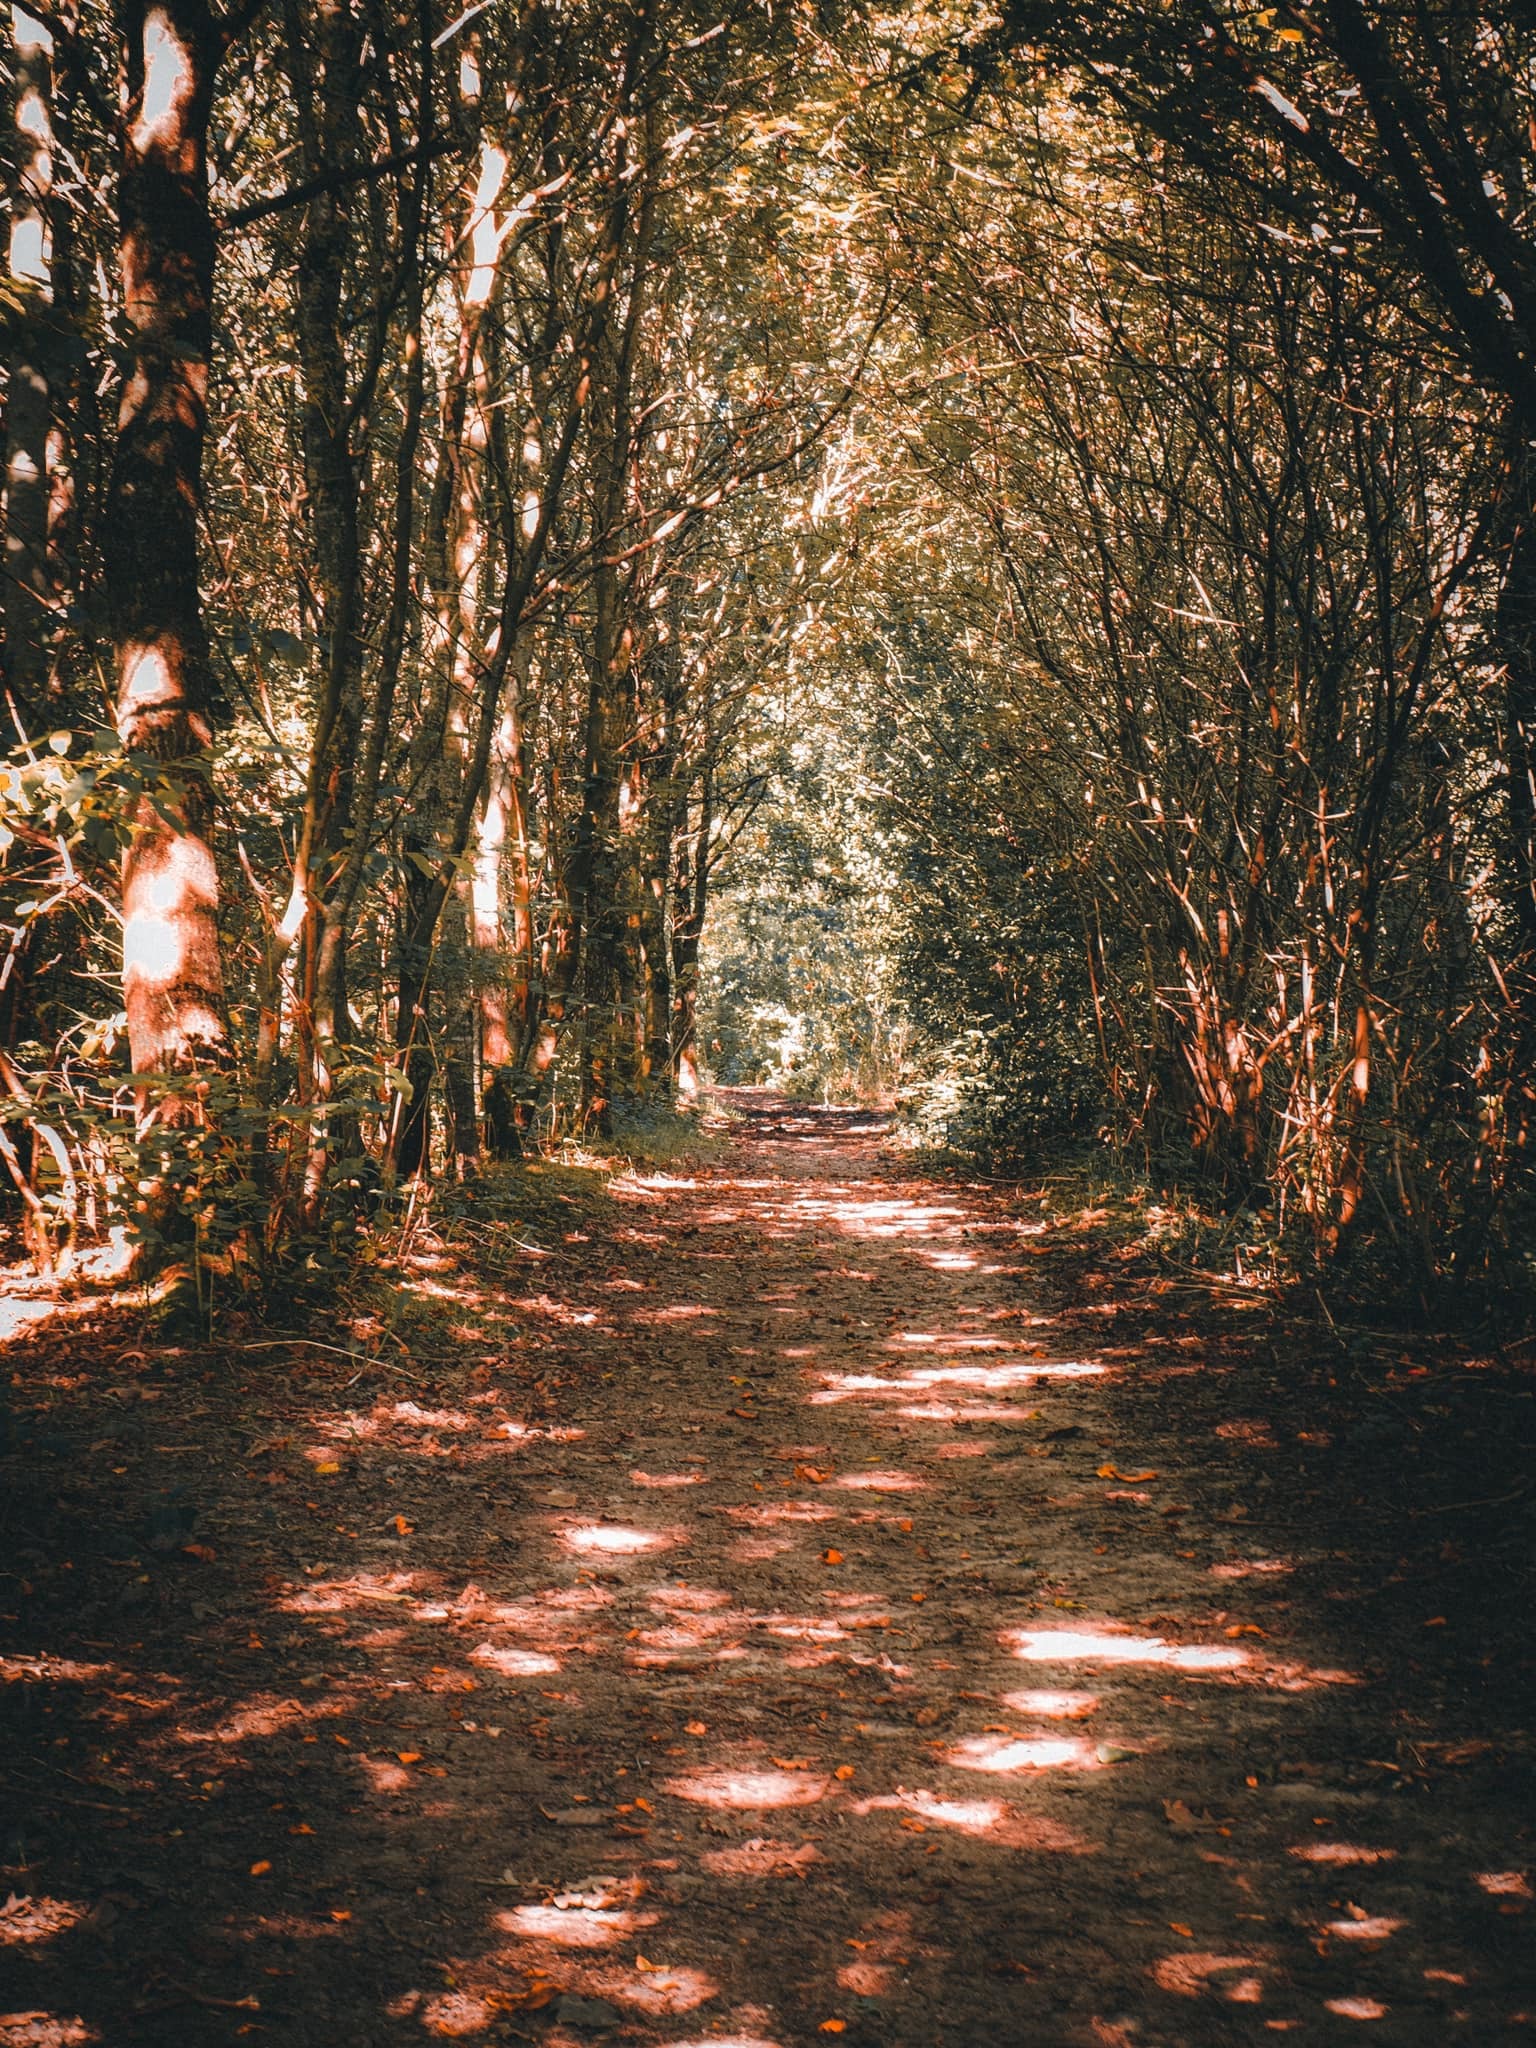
(799, 1597)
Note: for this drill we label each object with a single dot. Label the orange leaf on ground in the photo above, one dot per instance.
(843, 1771)
(260, 1869)
(833, 2027)
(1129, 1478)
(831, 1557)
(401, 1526)
(409, 1756)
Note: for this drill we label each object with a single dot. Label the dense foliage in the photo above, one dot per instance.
(1015, 537)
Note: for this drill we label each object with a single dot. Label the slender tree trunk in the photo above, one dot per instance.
(30, 593)
(173, 986)
(690, 902)
(1515, 631)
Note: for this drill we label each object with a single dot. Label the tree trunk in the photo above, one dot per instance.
(690, 901)
(173, 987)
(30, 597)
(1515, 633)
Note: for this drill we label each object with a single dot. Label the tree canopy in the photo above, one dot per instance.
(989, 563)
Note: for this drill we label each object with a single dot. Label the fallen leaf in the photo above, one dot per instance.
(260, 1868)
(409, 1756)
(1179, 1928)
(696, 1728)
(200, 1551)
(576, 1817)
(833, 2027)
(1184, 1821)
(844, 1771)
(401, 1526)
(831, 1557)
(1128, 1478)
(328, 1467)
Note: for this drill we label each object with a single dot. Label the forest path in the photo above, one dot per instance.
(789, 1617)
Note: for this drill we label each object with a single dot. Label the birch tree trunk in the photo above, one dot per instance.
(173, 986)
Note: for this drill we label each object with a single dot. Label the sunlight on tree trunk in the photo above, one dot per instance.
(173, 984)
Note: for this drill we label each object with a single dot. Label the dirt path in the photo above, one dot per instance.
(800, 1609)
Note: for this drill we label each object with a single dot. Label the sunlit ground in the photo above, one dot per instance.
(764, 1635)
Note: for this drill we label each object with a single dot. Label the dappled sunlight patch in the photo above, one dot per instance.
(574, 1926)
(1364, 1927)
(865, 1979)
(666, 1479)
(761, 1857)
(1006, 1753)
(991, 1379)
(460, 2015)
(42, 1669)
(1504, 1884)
(746, 1790)
(428, 1418)
(24, 1921)
(882, 1482)
(337, 1596)
(804, 1628)
(514, 1663)
(773, 1512)
(614, 1539)
(1253, 1568)
(266, 1716)
(686, 1599)
(20, 1315)
(1356, 2008)
(660, 1989)
(1103, 1646)
(462, 1296)
(1201, 1973)
(760, 1549)
(959, 1411)
(993, 1820)
(724, 2041)
(385, 1776)
(874, 1219)
(1053, 1706)
(45, 2030)
(1340, 1853)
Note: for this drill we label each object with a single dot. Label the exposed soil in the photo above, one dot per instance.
(810, 1600)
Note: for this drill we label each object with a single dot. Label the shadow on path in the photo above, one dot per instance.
(790, 1610)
